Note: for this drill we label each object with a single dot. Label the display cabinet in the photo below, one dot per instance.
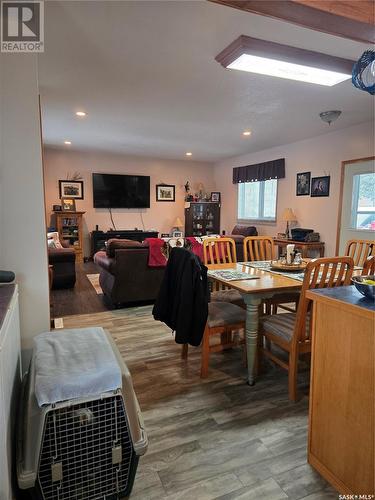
(202, 218)
(70, 227)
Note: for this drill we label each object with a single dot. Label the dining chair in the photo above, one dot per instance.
(292, 331)
(369, 266)
(258, 248)
(218, 251)
(263, 248)
(226, 320)
(360, 250)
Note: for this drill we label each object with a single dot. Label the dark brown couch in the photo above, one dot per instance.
(63, 261)
(125, 276)
(239, 233)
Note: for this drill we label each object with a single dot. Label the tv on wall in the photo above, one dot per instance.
(121, 191)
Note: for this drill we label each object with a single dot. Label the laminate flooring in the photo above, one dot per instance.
(216, 438)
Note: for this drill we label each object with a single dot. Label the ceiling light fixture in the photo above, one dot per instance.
(246, 132)
(330, 116)
(283, 61)
(188, 153)
(68, 143)
(80, 113)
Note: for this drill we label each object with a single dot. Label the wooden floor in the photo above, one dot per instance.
(82, 299)
(211, 439)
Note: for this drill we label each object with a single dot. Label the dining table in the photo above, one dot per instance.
(254, 284)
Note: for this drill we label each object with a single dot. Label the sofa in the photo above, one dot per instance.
(125, 276)
(63, 262)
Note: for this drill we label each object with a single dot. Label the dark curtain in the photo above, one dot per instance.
(274, 169)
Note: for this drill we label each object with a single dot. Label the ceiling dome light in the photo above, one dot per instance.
(330, 116)
(80, 113)
(188, 153)
(246, 132)
(68, 143)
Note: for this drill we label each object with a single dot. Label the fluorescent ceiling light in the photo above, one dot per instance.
(283, 69)
(283, 61)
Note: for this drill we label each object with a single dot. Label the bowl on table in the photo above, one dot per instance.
(365, 285)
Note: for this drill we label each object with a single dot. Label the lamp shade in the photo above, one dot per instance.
(178, 222)
(288, 215)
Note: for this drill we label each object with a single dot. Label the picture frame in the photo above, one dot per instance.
(165, 192)
(68, 204)
(303, 183)
(71, 189)
(177, 234)
(320, 186)
(215, 196)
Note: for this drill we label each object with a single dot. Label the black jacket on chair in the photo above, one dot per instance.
(182, 302)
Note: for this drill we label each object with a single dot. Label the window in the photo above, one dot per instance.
(257, 200)
(363, 202)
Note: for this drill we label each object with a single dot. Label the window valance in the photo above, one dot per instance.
(274, 169)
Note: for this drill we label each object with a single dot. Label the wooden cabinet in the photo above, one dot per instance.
(202, 218)
(70, 227)
(341, 411)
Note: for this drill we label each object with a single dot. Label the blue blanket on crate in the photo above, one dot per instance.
(74, 364)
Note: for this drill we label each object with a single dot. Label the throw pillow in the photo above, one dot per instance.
(55, 237)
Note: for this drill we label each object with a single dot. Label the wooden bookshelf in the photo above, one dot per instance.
(70, 227)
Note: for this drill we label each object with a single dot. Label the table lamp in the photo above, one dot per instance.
(288, 216)
(176, 226)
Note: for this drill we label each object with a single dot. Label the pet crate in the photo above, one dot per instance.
(80, 449)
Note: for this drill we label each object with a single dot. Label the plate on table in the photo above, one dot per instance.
(277, 265)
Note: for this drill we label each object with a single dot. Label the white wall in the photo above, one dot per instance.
(321, 155)
(22, 221)
(160, 216)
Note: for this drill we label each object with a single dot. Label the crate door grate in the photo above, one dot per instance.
(76, 460)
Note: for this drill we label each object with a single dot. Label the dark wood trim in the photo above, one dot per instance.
(327, 20)
(342, 178)
(264, 48)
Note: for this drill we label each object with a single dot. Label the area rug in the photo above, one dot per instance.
(94, 280)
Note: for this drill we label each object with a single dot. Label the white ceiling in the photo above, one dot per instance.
(146, 75)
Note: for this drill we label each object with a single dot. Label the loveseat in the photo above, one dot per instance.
(125, 276)
(63, 262)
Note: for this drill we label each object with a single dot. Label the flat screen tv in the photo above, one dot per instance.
(121, 191)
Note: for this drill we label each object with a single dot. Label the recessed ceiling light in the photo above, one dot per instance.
(80, 113)
(273, 59)
(246, 132)
(188, 153)
(67, 143)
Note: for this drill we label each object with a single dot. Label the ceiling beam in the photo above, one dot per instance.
(353, 20)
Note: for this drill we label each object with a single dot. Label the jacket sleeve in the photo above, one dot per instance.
(185, 305)
(200, 306)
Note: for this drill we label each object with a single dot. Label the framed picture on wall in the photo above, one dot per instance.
(215, 196)
(303, 184)
(71, 189)
(320, 186)
(165, 192)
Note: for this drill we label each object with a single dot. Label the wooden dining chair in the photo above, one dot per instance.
(224, 319)
(258, 248)
(217, 251)
(369, 266)
(292, 331)
(263, 248)
(360, 250)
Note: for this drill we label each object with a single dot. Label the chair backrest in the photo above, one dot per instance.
(320, 273)
(359, 250)
(258, 248)
(369, 266)
(219, 251)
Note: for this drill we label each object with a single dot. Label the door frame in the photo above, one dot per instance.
(343, 166)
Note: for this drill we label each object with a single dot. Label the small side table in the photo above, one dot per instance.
(304, 246)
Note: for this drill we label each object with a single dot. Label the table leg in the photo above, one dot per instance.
(252, 319)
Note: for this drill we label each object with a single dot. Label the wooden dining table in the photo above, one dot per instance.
(260, 285)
